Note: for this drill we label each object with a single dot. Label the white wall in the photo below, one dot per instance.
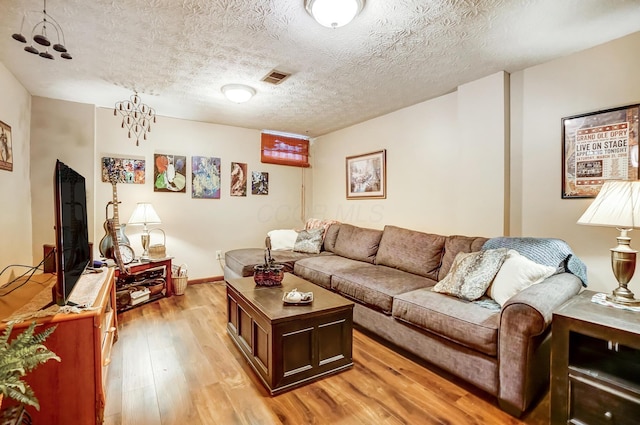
(197, 228)
(445, 164)
(15, 197)
(599, 78)
(65, 131)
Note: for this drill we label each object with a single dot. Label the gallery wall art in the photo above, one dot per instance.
(123, 170)
(238, 179)
(169, 173)
(205, 177)
(6, 149)
(259, 183)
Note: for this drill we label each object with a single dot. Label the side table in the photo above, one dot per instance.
(595, 364)
(144, 274)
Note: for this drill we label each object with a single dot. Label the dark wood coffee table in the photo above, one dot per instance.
(286, 345)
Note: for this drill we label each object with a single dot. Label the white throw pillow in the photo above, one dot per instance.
(517, 273)
(282, 239)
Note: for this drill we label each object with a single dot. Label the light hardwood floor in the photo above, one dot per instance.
(175, 364)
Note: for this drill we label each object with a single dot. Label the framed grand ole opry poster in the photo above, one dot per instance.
(597, 147)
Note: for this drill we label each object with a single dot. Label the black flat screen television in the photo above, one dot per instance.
(71, 227)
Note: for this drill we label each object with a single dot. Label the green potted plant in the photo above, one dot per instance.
(20, 356)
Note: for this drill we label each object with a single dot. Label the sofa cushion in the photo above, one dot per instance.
(455, 244)
(458, 320)
(330, 237)
(358, 243)
(309, 241)
(319, 269)
(375, 286)
(517, 273)
(472, 273)
(414, 252)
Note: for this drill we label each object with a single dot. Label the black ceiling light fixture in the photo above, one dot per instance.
(40, 36)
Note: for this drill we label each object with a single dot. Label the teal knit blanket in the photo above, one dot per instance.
(547, 251)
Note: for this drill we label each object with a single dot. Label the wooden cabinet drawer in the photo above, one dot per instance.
(593, 403)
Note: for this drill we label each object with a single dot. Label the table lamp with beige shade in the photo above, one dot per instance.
(618, 205)
(144, 214)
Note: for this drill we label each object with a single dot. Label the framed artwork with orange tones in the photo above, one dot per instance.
(169, 173)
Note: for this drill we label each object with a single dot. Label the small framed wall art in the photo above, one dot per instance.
(259, 183)
(367, 176)
(169, 173)
(205, 177)
(6, 150)
(238, 179)
(123, 170)
(597, 147)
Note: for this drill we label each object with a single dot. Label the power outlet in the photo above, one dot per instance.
(218, 255)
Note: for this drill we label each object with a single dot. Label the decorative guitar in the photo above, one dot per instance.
(115, 240)
(116, 249)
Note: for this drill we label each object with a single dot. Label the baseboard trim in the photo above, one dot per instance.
(205, 280)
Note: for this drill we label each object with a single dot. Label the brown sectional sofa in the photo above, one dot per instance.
(390, 273)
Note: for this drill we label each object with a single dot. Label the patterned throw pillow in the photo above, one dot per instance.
(309, 241)
(316, 223)
(471, 273)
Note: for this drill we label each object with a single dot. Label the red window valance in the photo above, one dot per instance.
(284, 150)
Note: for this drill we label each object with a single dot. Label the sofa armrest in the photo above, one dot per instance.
(524, 346)
(544, 297)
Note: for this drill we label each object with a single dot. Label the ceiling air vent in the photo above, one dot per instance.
(276, 77)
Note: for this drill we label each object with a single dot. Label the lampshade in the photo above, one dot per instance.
(617, 205)
(144, 214)
(238, 93)
(333, 13)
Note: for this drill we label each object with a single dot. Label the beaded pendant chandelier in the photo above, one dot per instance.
(136, 116)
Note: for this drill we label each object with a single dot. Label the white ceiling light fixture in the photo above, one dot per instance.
(238, 93)
(333, 13)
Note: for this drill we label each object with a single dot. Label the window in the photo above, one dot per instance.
(285, 150)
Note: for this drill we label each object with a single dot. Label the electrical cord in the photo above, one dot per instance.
(30, 269)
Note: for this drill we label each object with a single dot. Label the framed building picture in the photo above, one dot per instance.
(597, 147)
(367, 176)
(6, 150)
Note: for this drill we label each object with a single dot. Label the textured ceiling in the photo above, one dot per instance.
(396, 53)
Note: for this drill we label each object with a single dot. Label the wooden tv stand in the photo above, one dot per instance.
(71, 391)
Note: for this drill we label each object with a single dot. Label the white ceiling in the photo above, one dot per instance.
(178, 53)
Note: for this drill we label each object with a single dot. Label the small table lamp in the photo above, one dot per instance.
(144, 214)
(618, 205)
